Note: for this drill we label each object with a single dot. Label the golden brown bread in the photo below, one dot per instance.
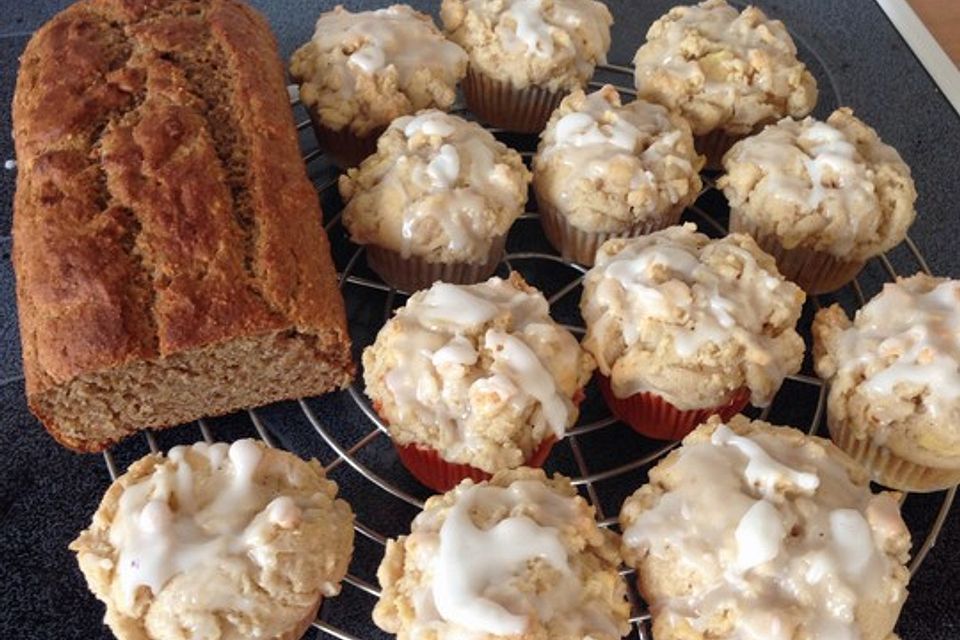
(168, 245)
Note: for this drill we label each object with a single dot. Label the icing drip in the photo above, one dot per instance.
(777, 533)
(473, 563)
(724, 64)
(668, 277)
(457, 350)
(835, 180)
(374, 41)
(908, 338)
(455, 165)
(162, 528)
(548, 28)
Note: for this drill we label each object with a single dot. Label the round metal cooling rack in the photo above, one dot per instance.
(604, 459)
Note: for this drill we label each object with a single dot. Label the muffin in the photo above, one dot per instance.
(821, 197)
(435, 201)
(606, 170)
(894, 376)
(472, 379)
(727, 72)
(217, 542)
(518, 557)
(525, 55)
(754, 531)
(362, 70)
(683, 327)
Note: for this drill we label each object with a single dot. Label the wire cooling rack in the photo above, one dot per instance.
(605, 460)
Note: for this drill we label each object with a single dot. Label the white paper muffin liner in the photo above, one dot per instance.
(580, 246)
(888, 468)
(813, 271)
(502, 105)
(414, 273)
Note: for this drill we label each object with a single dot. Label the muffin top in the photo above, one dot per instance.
(754, 531)
(362, 70)
(438, 187)
(479, 373)
(518, 557)
(894, 372)
(552, 44)
(690, 318)
(216, 541)
(609, 167)
(831, 186)
(722, 69)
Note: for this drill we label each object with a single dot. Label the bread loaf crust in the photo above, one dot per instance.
(162, 205)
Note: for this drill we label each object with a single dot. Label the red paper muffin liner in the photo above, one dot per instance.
(652, 416)
(434, 472)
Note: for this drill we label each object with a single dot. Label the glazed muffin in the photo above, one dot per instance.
(821, 197)
(518, 557)
(727, 72)
(474, 379)
(605, 170)
(894, 376)
(435, 201)
(683, 327)
(362, 70)
(754, 531)
(219, 542)
(525, 55)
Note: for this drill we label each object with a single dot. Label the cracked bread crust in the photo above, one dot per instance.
(163, 211)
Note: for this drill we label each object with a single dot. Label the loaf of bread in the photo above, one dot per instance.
(168, 245)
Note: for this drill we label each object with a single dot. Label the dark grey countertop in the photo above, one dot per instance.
(47, 494)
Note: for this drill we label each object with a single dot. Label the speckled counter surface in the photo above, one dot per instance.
(47, 494)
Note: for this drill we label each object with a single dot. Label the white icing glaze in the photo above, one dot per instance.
(665, 277)
(763, 472)
(374, 41)
(639, 137)
(835, 180)
(473, 563)
(458, 168)
(791, 555)
(163, 528)
(707, 52)
(907, 339)
(458, 348)
(545, 28)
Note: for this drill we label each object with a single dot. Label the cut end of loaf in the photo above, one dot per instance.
(94, 411)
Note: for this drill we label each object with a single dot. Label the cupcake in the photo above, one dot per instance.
(215, 542)
(525, 55)
(727, 72)
(684, 327)
(472, 379)
(894, 376)
(435, 201)
(821, 197)
(606, 170)
(362, 70)
(754, 531)
(517, 557)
